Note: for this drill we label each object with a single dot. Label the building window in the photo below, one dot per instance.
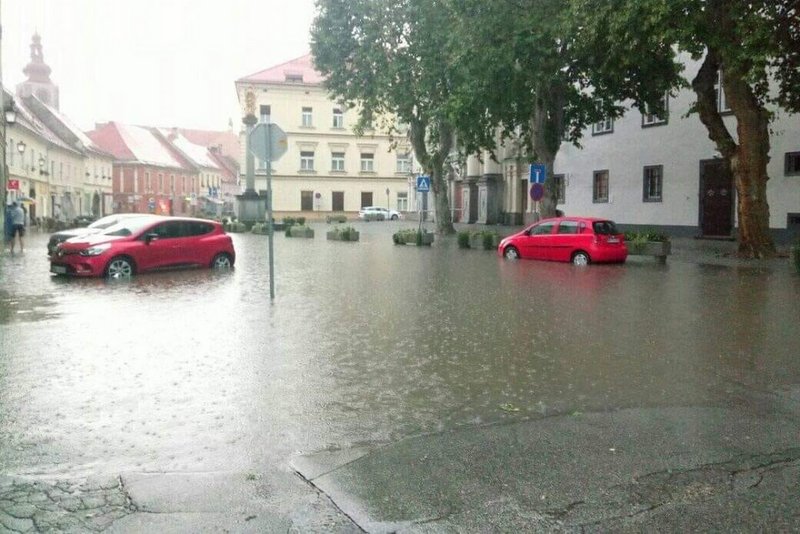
(172, 183)
(367, 162)
(307, 118)
(653, 183)
(265, 112)
(306, 161)
(404, 163)
(603, 126)
(337, 200)
(792, 164)
(722, 101)
(306, 200)
(11, 149)
(402, 201)
(559, 183)
(160, 183)
(148, 185)
(653, 119)
(600, 187)
(337, 161)
(338, 118)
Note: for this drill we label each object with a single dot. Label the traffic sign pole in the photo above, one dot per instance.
(270, 237)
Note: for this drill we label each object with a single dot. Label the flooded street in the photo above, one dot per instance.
(366, 344)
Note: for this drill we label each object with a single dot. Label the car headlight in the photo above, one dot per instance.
(95, 250)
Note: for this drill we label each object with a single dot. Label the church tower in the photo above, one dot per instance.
(38, 73)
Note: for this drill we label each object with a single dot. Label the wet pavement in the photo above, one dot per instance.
(187, 401)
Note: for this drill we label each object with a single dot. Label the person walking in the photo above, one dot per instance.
(18, 226)
(8, 228)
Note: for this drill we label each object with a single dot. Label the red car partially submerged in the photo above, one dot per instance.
(580, 240)
(146, 243)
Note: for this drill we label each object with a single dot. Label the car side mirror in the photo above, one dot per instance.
(152, 236)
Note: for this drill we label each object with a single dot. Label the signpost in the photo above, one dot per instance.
(268, 142)
(423, 186)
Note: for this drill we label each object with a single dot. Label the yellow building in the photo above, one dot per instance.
(327, 168)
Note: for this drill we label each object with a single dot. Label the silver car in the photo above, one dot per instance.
(376, 213)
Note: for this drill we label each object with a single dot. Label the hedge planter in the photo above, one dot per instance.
(261, 229)
(235, 227)
(374, 217)
(413, 237)
(657, 249)
(343, 234)
(299, 231)
(336, 219)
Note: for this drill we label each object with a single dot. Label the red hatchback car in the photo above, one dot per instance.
(146, 243)
(580, 240)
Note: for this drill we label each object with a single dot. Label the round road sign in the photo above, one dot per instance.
(537, 192)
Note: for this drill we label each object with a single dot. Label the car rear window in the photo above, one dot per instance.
(605, 228)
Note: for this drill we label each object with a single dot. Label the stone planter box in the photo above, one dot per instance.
(335, 219)
(476, 242)
(427, 239)
(300, 231)
(657, 249)
(333, 235)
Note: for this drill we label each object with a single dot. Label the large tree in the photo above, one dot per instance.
(528, 79)
(751, 45)
(392, 59)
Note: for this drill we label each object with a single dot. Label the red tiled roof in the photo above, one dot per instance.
(227, 140)
(296, 71)
(108, 138)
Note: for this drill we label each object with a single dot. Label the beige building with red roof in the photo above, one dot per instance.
(327, 167)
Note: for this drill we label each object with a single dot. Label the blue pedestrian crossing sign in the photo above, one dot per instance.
(423, 184)
(538, 173)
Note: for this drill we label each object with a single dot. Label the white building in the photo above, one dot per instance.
(327, 168)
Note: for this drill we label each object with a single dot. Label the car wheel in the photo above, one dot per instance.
(581, 258)
(394, 217)
(119, 267)
(511, 253)
(221, 261)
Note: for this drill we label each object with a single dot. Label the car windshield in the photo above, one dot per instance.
(605, 228)
(128, 226)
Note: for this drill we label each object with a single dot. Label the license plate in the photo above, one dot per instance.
(58, 269)
(613, 240)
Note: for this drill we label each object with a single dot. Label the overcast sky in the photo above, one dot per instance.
(153, 62)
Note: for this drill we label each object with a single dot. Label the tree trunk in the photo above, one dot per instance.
(748, 159)
(433, 163)
(749, 167)
(547, 132)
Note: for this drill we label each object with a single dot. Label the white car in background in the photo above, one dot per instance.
(376, 213)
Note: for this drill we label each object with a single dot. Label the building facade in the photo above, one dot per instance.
(327, 168)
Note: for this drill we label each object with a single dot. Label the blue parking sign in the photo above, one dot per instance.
(423, 184)
(538, 173)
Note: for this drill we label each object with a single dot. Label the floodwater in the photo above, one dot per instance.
(365, 343)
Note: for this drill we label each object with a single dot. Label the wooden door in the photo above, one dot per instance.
(716, 198)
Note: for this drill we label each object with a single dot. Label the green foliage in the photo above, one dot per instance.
(463, 239)
(411, 235)
(345, 233)
(289, 221)
(301, 221)
(645, 236)
(336, 219)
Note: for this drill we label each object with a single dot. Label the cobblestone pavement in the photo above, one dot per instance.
(29, 505)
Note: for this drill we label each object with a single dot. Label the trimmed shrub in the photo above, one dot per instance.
(463, 239)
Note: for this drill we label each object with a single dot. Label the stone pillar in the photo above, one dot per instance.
(490, 191)
(250, 207)
(470, 191)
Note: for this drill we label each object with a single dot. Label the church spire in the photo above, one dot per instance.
(38, 72)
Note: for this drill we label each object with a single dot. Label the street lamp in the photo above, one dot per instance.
(21, 146)
(42, 163)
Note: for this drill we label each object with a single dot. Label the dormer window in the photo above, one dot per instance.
(294, 77)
